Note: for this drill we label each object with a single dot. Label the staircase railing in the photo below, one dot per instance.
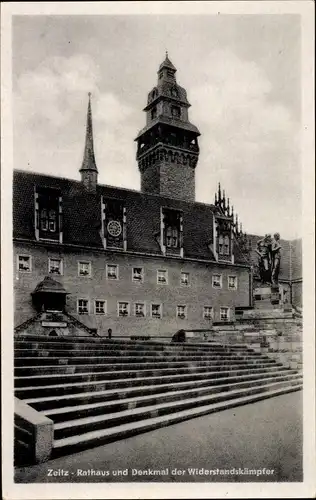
(27, 323)
(78, 323)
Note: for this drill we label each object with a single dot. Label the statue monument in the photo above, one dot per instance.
(269, 259)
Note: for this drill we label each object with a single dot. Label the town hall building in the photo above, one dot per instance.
(89, 257)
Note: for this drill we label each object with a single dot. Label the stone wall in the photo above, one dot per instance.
(198, 294)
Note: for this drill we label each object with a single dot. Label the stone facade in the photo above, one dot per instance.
(197, 294)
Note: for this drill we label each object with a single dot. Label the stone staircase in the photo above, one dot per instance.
(97, 390)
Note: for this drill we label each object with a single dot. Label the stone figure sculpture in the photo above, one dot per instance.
(275, 258)
(264, 252)
(269, 259)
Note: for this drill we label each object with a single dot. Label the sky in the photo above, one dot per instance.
(243, 79)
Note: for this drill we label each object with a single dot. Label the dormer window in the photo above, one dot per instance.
(172, 231)
(48, 213)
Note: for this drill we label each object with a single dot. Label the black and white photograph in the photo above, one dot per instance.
(157, 178)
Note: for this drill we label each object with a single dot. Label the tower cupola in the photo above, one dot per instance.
(167, 147)
(88, 170)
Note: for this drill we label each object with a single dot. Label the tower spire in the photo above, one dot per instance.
(88, 170)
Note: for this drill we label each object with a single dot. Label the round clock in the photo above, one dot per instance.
(114, 228)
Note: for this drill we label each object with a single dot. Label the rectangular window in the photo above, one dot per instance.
(181, 312)
(55, 266)
(217, 281)
(138, 274)
(224, 313)
(84, 268)
(232, 282)
(162, 277)
(100, 307)
(139, 309)
(123, 309)
(112, 272)
(24, 263)
(208, 312)
(185, 279)
(83, 306)
(156, 311)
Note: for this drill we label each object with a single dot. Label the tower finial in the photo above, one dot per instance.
(166, 53)
(88, 168)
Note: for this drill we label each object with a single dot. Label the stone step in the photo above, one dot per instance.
(105, 384)
(98, 437)
(128, 403)
(82, 425)
(117, 353)
(114, 346)
(92, 376)
(50, 360)
(51, 370)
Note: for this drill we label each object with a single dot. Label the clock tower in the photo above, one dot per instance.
(167, 147)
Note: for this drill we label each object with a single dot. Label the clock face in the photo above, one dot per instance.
(114, 228)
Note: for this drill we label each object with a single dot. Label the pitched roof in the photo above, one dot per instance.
(167, 64)
(82, 220)
(49, 285)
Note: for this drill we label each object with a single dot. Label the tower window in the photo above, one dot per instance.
(170, 72)
(153, 113)
(175, 111)
(174, 92)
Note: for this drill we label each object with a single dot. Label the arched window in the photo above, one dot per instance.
(174, 92)
(172, 237)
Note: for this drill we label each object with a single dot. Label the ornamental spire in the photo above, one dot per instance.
(88, 162)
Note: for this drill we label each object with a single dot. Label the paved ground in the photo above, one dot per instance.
(267, 434)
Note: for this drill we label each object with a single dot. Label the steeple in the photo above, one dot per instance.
(88, 170)
(168, 149)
